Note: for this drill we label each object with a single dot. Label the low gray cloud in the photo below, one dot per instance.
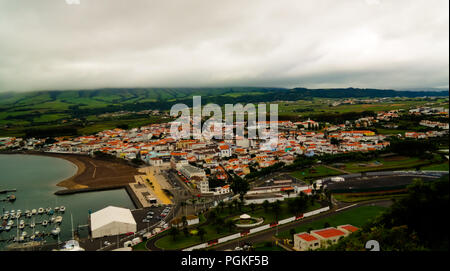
(48, 44)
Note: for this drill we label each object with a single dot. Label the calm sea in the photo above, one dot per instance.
(35, 178)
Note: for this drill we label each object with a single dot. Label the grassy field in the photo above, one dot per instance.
(353, 198)
(385, 164)
(317, 106)
(356, 217)
(316, 172)
(267, 246)
(183, 241)
(443, 167)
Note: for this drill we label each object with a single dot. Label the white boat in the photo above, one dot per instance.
(52, 219)
(56, 231)
(7, 227)
(40, 211)
(5, 216)
(10, 222)
(29, 215)
(6, 212)
(44, 223)
(32, 237)
(32, 224)
(24, 233)
(62, 209)
(72, 245)
(12, 216)
(12, 211)
(33, 212)
(58, 219)
(27, 212)
(48, 209)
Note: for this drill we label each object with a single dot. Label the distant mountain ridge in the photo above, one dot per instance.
(135, 99)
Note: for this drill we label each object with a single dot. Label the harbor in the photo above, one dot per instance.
(34, 179)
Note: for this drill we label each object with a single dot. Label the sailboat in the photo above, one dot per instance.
(32, 224)
(72, 245)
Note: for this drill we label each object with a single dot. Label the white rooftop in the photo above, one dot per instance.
(111, 214)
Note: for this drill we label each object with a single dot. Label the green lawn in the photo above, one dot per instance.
(443, 167)
(356, 217)
(384, 164)
(140, 247)
(350, 198)
(267, 246)
(321, 171)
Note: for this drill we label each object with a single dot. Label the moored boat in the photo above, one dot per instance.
(58, 219)
(40, 210)
(62, 209)
(56, 231)
(44, 223)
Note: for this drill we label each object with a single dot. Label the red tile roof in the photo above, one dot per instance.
(350, 228)
(330, 232)
(307, 237)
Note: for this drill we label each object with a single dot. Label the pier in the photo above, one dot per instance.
(7, 191)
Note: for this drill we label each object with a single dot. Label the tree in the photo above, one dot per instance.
(266, 206)
(183, 205)
(221, 205)
(276, 208)
(201, 233)
(292, 232)
(240, 186)
(184, 221)
(174, 232)
(252, 207)
(213, 217)
(186, 231)
(229, 224)
(230, 207)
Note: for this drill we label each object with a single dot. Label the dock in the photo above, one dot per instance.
(7, 191)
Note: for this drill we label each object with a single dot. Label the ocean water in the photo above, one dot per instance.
(35, 178)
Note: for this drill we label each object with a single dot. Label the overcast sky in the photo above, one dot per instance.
(48, 44)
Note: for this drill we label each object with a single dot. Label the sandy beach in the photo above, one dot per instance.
(94, 173)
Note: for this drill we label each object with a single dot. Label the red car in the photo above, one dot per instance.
(129, 233)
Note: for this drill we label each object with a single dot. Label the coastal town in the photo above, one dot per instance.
(205, 169)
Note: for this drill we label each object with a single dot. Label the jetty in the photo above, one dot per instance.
(7, 191)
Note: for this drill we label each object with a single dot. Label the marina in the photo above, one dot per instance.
(35, 178)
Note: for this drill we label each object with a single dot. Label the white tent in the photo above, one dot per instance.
(112, 221)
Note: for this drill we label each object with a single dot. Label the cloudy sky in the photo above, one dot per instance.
(48, 44)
